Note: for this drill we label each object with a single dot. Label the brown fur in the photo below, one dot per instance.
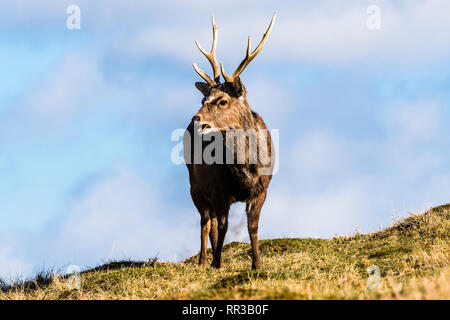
(214, 187)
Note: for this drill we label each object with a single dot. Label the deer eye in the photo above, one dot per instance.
(223, 102)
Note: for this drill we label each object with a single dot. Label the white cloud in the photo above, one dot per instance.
(321, 193)
(337, 33)
(11, 264)
(65, 89)
(321, 32)
(120, 216)
(338, 209)
(318, 153)
(127, 212)
(270, 100)
(417, 121)
(329, 184)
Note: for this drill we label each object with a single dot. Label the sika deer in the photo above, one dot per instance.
(215, 186)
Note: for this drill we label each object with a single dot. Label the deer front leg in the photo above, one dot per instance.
(205, 224)
(253, 209)
(222, 226)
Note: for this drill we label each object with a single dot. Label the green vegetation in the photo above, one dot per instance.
(413, 257)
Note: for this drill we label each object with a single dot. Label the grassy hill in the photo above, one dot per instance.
(412, 255)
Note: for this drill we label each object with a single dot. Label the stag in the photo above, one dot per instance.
(215, 186)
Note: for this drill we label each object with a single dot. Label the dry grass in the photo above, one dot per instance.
(413, 256)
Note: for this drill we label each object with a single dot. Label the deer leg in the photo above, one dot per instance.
(253, 209)
(213, 233)
(222, 227)
(205, 223)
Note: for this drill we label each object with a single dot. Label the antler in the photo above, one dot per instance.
(211, 56)
(249, 56)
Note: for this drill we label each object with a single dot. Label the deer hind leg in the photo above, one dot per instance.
(253, 210)
(222, 227)
(213, 233)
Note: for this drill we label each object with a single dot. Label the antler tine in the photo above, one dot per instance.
(249, 56)
(211, 56)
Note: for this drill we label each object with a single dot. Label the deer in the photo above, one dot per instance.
(214, 187)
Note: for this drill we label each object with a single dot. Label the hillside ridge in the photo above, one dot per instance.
(412, 257)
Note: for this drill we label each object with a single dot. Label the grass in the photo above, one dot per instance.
(413, 257)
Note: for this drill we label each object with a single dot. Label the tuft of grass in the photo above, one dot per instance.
(412, 255)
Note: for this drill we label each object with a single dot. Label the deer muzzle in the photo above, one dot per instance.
(202, 127)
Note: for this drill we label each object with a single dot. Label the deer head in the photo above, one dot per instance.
(224, 105)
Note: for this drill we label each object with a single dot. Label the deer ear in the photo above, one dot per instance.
(203, 87)
(238, 87)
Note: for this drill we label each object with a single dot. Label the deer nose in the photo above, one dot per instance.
(197, 118)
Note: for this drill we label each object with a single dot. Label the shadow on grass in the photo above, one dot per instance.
(239, 279)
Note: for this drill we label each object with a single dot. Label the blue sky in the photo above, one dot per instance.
(86, 118)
